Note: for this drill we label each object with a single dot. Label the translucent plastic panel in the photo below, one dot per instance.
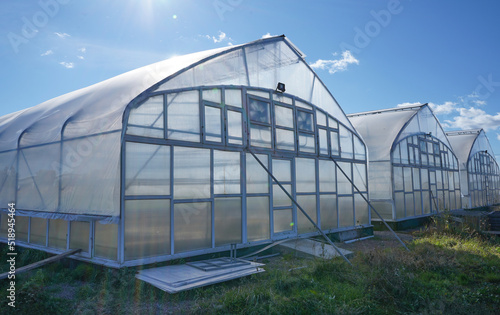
(91, 175)
(384, 208)
(79, 235)
(259, 111)
(308, 203)
(38, 186)
(307, 143)
(327, 178)
(346, 149)
(282, 170)
(191, 173)
(257, 177)
(398, 178)
(396, 154)
(147, 228)
(408, 181)
(346, 212)
(399, 203)
(22, 228)
(213, 95)
(285, 139)
(404, 152)
(234, 133)
(332, 123)
(106, 240)
(305, 121)
(147, 169)
(359, 172)
(258, 218)
(416, 178)
(334, 143)
(282, 99)
(328, 211)
(320, 118)
(344, 186)
(305, 175)
(213, 124)
(284, 116)
(302, 105)
(227, 221)
(147, 119)
(283, 220)
(260, 136)
(58, 233)
(192, 226)
(418, 203)
(379, 178)
(38, 231)
(362, 213)
(8, 162)
(226, 172)
(280, 198)
(323, 141)
(258, 93)
(424, 176)
(359, 149)
(183, 116)
(233, 97)
(410, 206)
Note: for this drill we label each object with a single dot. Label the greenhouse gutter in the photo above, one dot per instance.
(300, 208)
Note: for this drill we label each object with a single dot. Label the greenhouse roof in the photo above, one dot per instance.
(466, 143)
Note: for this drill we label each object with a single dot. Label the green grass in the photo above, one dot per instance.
(449, 269)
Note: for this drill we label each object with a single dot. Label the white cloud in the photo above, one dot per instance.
(336, 65)
(83, 50)
(267, 35)
(62, 35)
(220, 37)
(47, 53)
(474, 118)
(408, 104)
(80, 57)
(67, 65)
(443, 109)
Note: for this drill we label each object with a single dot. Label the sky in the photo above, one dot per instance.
(371, 54)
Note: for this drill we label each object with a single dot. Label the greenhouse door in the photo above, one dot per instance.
(284, 216)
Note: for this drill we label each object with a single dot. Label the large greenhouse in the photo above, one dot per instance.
(480, 175)
(175, 159)
(413, 170)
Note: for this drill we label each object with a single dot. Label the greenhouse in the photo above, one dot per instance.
(480, 175)
(177, 159)
(413, 170)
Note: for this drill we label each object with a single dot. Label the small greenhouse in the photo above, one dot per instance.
(480, 175)
(175, 159)
(413, 170)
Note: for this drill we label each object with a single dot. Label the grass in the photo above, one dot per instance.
(451, 268)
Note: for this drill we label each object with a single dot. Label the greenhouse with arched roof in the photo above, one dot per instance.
(187, 156)
(413, 170)
(479, 172)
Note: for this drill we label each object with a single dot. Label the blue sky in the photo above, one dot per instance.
(371, 54)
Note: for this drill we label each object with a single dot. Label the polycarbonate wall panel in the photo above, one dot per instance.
(328, 211)
(361, 206)
(308, 203)
(226, 172)
(327, 177)
(258, 218)
(147, 169)
(283, 220)
(79, 235)
(305, 175)
(21, 228)
(38, 186)
(90, 180)
(191, 173)
(346, 215)
(8, 163)
(257, 177)
(379, 179)
(227, 220)
(384, 208)
(147, 228)
(38, 231)
(213, 124)
(359, 174)
(234, 130)
(280, 198)
(343, 184)
(192, 226)
(106, 240)
(58, 233)
(183, 116)
(147, 120)
(346, 144)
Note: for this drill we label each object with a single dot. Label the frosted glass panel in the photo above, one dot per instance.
(191, 173)
(410, 208)
(399, 203)
(212, 95)
(147, 169)
(257, 218)
(359, 149)
(282, 170)
(307, 143)
(183, 116)
(280, 198)
(233, 97)
(106, 240)
(226, 172)
(147, 120)
(359, 172)
(384, 208)
(257, 177)
(344, 185)
(79, 235)
(398, 178)
(284, 116)
(334, 143)
(327, 178)
(361, 207)
(227, 221)
(38, 231)
(320, 118)
(234, 132)
(305, 175)
(260, 136)
(213, 126)
(192, 222)
(285, 139)
(328, 211)
(346, 212)
(283, 220)
(323, 141)
(147, 228)
(58, 233)
(346, 148)
(308, 203)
